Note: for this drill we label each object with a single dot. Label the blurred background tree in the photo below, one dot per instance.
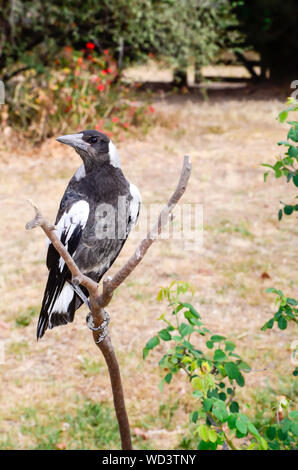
(270, 28)
(184, 31)
(33, 31)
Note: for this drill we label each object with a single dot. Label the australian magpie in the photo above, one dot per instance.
(96, 214)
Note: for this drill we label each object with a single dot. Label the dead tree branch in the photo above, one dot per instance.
(100, 300)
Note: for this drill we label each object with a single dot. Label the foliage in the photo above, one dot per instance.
(270, 28)
(34, 31)
(76, 91)
(288, 165)
(287, 311)
(214, 374)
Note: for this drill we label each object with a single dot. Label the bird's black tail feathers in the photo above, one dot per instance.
(49, 319)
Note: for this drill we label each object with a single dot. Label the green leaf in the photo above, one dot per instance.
(194, 416)
(203, 432)
(212, 434)
(253, 430)
(295, 179)
(244, 366)
(280, 214)
(230, 346)
(232, 421)
(209, 344)
(207, 404)
(219, 411)
(152, 343)
(282, 116)
(269, 324)
(231, 370)
(234, 407)
(293, 151)
(288, 210)
(191, 309)
(241, 425)
(219, 355)
(282, 323)
(165, 335)
(293, 133)
(271, 433)
(185, 329)
(168, 378)
(145, 353)
(240, 380)
(217, 338)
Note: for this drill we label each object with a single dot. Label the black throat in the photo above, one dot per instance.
(93, 163)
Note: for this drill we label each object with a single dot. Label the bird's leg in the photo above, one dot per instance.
(81, 294)
(103, 327)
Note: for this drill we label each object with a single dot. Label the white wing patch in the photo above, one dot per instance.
(77, 216)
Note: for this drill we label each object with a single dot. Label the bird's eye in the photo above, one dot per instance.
(93, 140)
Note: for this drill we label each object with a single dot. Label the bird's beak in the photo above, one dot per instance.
(74, 140)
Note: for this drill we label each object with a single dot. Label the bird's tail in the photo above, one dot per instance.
(58, 310)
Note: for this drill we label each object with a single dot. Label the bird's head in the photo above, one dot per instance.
(93, 146)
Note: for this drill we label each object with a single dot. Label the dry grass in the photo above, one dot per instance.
(227, 141)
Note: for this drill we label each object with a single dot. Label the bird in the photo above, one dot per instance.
(97, 211)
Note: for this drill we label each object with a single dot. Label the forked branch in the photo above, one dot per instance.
(98, 300)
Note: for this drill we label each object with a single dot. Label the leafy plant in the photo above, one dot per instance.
(287, 311)
(214, 373)
(288, 165)
(78, 90)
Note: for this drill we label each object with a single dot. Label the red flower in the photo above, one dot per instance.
(151, 109)
(106, 51)
(104, 72)
(68, 49)
(125, 124)
(80, 60)
(115, 119)
(90, 45)
(100, 87)
(109, 70)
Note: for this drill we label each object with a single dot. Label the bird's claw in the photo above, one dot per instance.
(103, 327)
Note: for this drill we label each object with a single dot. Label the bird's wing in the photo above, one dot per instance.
(96, 254)
(59, 302)
(134, 207)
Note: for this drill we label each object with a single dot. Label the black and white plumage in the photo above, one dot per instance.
(96, 214)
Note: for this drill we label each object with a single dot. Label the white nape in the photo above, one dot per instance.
(114, 155)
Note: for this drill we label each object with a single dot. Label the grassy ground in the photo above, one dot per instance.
(51, 390)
